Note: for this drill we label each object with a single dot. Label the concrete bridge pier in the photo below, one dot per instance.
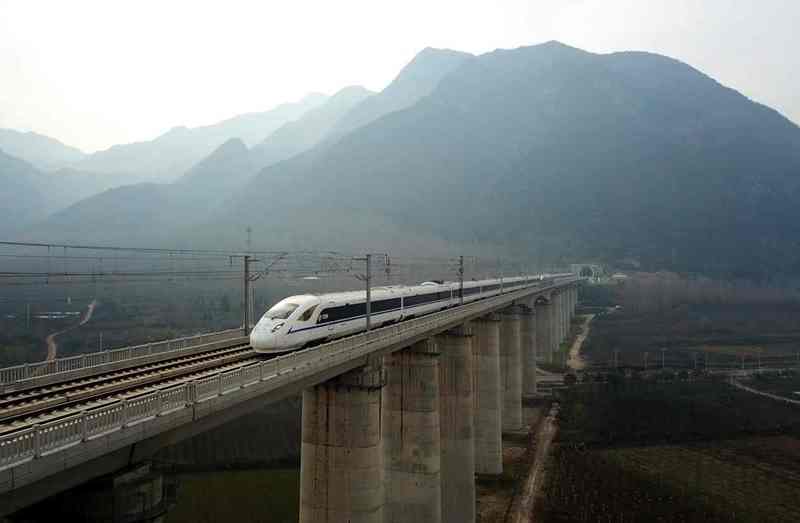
(543, 314)
(528, 347)
(568, 306)
(563, 316)
(456, 419)
(341, 460)
(411, 439)
(574, 300)
(555, 328)
(511, 368)
(488, 399)
(570, 309)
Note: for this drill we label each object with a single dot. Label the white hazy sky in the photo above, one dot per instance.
(95, 73)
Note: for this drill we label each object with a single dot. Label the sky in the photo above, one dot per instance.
(96, 73)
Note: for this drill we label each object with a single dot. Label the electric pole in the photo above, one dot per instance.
(246, 294)
(500, 270)
(369, 292)
(663, 355)
(461, 280)
(367, 259)
(646, 354)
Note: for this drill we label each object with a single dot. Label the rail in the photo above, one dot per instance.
(12, 378)
(34, 442)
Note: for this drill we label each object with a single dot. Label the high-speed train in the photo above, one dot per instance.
(309, 319)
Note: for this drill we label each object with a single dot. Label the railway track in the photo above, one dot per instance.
(21, 409)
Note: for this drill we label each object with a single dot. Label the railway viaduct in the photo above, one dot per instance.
(396, 421)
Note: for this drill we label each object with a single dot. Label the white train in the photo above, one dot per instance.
(309, 319)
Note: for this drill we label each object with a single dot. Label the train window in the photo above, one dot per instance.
(419, 299)
(307, 314)
(385, 305)
(342, 312)
(281, 311)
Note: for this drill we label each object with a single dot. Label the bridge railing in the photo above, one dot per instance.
(31, 373)
(31, 443)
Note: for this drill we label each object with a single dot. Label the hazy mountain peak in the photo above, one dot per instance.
(21, 200)
(41, 151)
(425, 70)
(232, 146)
(307, 131)
(351, 90)
(555, 44)
(415, 81)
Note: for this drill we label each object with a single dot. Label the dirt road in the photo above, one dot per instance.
(765, 394)
(575, 362)
(523, 509)
(52, 346)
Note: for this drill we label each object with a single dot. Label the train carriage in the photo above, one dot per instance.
(304, 320)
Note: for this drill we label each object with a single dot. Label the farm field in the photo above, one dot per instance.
(690, 335)
(749, 480)
(756, 479)
(682, 451)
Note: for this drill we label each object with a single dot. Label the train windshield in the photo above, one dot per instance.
(281, 311)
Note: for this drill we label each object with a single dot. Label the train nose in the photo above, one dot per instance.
(262, 339)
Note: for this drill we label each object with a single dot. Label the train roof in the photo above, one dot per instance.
(384, 290)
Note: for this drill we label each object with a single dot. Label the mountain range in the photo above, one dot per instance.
(567, 153)
(150, 212)
(545, 151)
(170, 155)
